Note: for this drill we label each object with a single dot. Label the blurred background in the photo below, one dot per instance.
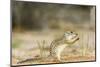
(39, 16)
(35, 25)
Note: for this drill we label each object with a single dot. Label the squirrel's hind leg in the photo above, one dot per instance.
(59, 51)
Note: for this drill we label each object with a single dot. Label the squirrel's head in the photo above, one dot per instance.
(71, 37)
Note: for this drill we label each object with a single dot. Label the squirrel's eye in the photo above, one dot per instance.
(71, 32)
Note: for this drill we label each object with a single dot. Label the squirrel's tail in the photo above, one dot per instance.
(34, 59)
(29, 59)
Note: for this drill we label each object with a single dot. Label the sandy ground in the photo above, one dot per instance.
(26, 45)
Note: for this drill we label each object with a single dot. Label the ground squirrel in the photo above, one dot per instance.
(57, 46)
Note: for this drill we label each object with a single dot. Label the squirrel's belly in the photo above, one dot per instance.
(60, 48)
